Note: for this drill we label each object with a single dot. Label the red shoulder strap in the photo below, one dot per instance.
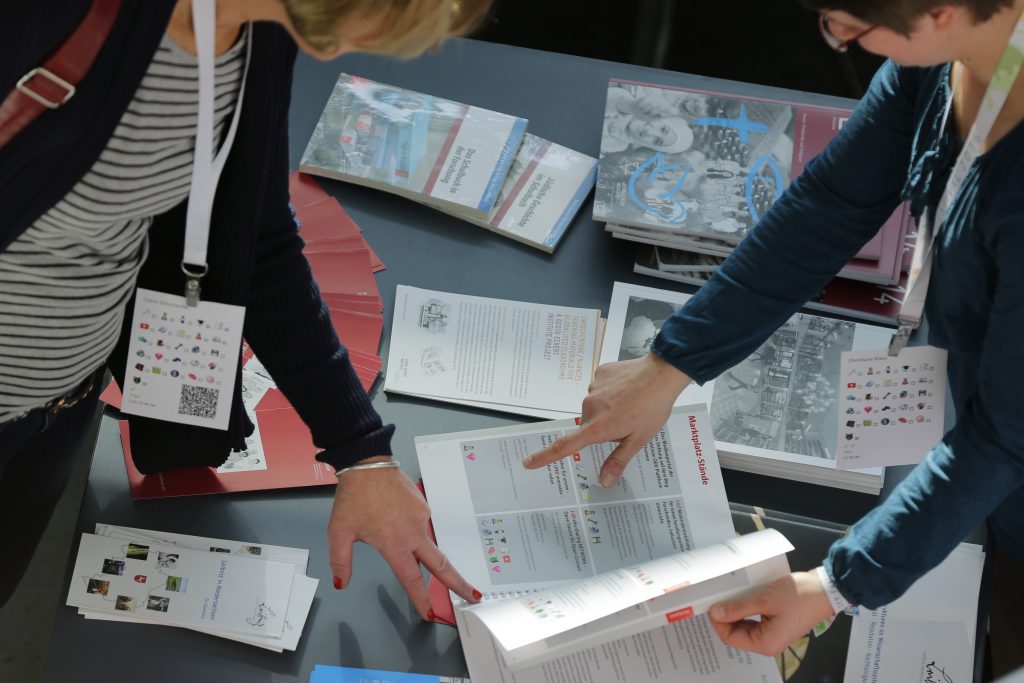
(53, 83)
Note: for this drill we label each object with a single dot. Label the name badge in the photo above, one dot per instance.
(182, 360)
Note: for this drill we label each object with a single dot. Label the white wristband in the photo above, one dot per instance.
(386, 464)
(835, 598)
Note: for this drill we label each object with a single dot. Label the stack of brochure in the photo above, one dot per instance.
(251, 593)
(689, 172)
(472, 163)
(777, 412)
(510, 356)
(612, 584)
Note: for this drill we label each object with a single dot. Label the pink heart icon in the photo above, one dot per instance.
(159, 356)
(471, 456)
(867, 409)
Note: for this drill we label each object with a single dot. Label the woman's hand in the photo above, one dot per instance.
(628, 402)
(384, 508)
(789, 607)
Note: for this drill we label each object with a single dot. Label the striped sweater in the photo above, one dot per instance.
(65, 281)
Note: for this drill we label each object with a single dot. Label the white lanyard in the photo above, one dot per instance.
(206, 168)
(912, 310)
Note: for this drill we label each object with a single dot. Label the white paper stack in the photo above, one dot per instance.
(511, 356)
(247, 592)
(926, 635)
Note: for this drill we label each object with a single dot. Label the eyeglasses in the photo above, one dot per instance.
(834, 41)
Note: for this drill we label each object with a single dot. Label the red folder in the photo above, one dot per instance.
(290, 463)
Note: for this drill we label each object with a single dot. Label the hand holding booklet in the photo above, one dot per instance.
(589, 612)
(609, 583)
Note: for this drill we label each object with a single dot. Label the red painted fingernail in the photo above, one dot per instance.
(431, 616)
(337, 583)
(477, 594)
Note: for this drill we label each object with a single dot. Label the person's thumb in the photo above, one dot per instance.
(731, 611)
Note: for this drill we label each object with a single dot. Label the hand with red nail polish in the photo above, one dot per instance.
(384, 508)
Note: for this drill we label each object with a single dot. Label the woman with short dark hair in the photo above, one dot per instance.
(902, 142)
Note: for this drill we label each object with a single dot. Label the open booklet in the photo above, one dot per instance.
(512, 356)
(555, 537)
(559, 621)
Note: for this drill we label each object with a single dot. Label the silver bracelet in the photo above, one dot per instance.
(384, 465)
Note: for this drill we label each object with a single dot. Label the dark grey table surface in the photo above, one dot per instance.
(371, 623)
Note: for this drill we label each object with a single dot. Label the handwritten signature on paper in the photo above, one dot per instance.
(261, 615)
(935, 674)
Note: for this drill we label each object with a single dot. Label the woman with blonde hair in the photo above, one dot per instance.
(101, 188)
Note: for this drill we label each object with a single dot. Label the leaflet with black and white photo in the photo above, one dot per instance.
(176, 585)
(776, 412)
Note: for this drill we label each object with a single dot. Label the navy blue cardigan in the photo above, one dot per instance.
(255, 253)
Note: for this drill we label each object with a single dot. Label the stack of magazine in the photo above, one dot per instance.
(478, 165)
(775, 413)
(688, 173)
(251, 593)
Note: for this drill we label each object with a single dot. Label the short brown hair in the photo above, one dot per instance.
(407, 27)
(899, 15)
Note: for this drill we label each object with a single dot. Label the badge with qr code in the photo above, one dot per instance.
(182, 360)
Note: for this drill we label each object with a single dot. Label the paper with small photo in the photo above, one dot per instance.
(177, 585)
(891, 409)
(302, 591)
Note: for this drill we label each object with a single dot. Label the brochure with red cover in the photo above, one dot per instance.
(358, 303)
(304, 190)
(346, 272)
(321, 217)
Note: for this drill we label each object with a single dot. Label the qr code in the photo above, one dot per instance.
(198, 401)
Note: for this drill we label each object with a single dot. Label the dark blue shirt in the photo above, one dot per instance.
(893, 148)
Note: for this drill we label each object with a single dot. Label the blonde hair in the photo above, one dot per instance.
(405, 28)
